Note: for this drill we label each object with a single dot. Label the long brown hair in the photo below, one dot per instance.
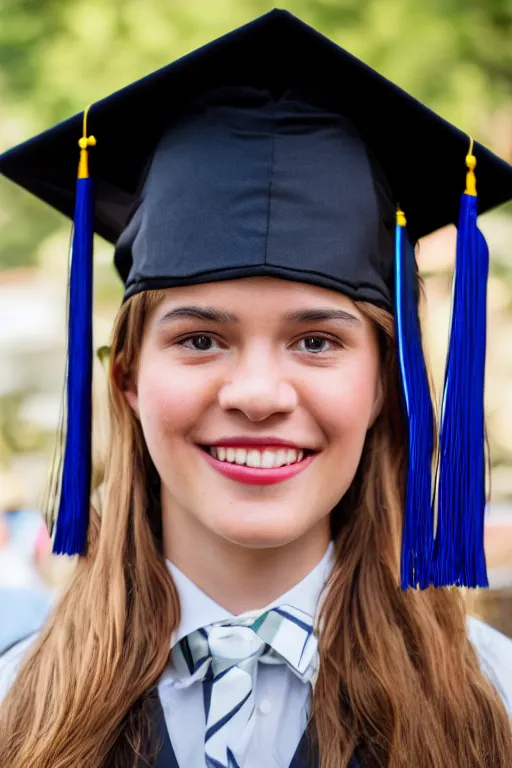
(398, 676)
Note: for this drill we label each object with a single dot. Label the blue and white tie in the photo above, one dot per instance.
(225, 658)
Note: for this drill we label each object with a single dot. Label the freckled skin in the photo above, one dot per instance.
(256, 377)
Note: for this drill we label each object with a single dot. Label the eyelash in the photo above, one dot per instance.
(183, 342)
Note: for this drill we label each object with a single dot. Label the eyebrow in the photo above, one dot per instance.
(316, 315)
(199, 313)
(210, 314)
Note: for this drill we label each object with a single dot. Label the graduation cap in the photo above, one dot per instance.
(272, 151)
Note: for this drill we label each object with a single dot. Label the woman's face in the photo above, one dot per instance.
(255, 397)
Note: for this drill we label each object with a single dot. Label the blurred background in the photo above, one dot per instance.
(56, 57)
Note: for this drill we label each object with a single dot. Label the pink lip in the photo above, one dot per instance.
(240, 442)
(253, 476)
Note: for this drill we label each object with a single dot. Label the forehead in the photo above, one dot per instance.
(255, 294)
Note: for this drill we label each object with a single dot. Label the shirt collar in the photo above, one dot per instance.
(199, 610)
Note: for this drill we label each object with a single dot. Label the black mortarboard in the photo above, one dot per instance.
(270, 151)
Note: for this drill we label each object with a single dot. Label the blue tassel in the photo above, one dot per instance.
(75, 482)
(459, 557)
(418, 528)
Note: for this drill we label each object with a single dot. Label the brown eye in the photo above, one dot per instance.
(199, 342)
(315, 344)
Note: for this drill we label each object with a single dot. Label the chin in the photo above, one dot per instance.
(260, 534)
(262, 540)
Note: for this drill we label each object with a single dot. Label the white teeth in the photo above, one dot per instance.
(269, 459)
(266, 459)
(253, 458)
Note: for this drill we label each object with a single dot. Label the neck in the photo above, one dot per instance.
(239, 578)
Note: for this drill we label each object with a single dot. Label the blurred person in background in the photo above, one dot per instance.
(25, 553)
(239, 598)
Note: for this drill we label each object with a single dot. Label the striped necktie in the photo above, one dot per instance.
(225, 658)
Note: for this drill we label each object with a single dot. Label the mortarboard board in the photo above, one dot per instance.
(276, 51)
(272, 151)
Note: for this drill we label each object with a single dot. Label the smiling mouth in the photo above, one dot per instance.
(258, 458)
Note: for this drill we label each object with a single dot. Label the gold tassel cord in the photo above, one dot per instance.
(84, 143)
(470, 176)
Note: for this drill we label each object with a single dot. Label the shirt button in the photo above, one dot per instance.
(265, 706)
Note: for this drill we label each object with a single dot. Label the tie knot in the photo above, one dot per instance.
(280, 635)
(231, 645)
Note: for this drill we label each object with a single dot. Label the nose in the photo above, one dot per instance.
(258, 390)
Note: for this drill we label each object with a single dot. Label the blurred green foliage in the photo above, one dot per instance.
(56, 57)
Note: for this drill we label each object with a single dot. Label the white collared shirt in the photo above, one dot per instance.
(282, 699)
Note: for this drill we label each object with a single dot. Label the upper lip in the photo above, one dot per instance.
(240, 442)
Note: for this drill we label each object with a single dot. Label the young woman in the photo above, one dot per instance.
(239, 600)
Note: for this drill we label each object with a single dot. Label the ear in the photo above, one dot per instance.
(127, 385)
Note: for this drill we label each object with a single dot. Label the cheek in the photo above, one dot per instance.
(346, 400)
(344, 406)
(170, 400)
